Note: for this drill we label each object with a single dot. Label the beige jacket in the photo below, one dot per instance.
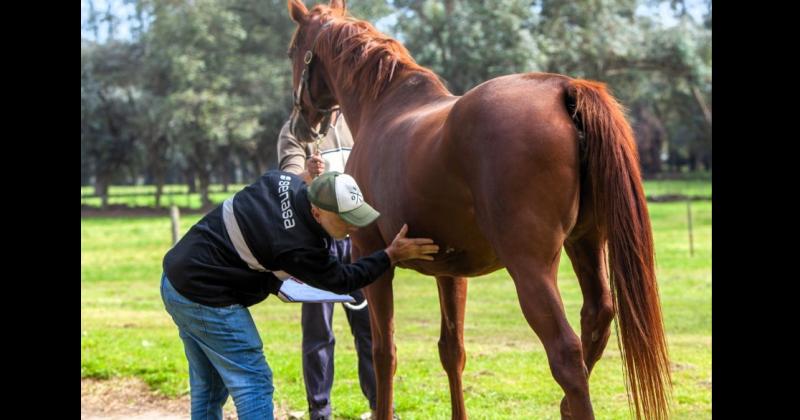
(334, 148)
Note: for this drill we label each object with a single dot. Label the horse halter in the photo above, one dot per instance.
(298, 94)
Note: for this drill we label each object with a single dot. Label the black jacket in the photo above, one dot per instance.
(278, 228)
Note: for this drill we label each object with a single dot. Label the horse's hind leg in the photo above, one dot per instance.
(588, 255)
(452, 301)
(543, 309)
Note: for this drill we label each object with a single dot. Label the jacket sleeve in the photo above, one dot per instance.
(324, 271)
(291, 153)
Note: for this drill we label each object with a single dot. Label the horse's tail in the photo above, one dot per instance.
(612, 172)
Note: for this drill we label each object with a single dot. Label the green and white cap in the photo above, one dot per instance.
(339, 193)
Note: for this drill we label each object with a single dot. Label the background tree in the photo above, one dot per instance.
(197, 91)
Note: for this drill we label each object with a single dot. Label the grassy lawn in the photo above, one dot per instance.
(126, 332)
(689, 187)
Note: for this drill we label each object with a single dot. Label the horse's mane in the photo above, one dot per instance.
(367, 58)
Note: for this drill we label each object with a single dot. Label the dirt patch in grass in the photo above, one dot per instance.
(132, 399)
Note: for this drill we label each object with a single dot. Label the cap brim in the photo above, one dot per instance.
(361, 216)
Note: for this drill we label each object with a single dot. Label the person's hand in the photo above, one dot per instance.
(403, 248)
(315, 165)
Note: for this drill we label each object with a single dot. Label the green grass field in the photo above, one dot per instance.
(126, 332)
(688, 187)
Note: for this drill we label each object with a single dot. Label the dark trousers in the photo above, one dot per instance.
(318, 343)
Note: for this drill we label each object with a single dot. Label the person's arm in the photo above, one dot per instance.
(292, 154)
(324, 271)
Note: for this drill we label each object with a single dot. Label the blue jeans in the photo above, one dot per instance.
(225, 356)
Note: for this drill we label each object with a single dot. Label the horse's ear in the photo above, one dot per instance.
(297, 10)
(338, 5)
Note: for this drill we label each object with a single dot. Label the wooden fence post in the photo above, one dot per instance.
(689, 219)
(175, 215)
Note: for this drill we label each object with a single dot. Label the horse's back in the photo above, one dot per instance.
(525, 112)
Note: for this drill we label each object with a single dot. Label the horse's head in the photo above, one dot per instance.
(313, 99)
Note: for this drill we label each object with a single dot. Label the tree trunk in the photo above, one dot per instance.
(238, 169)
(698, 97)
(157, 173)
(707, 162)
(226, 172)
(260, 165)
(190, 180)
(205, 180)
(157, 150)
(159, 181)
(692, 161)
(101, 189)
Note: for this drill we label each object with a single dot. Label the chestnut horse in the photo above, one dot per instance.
(503, 176)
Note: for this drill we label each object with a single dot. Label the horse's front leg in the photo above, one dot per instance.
(452, 301)
(384, 354)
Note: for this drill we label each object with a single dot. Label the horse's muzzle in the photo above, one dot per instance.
(299, 128)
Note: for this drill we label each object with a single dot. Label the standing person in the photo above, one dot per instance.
(309, 160)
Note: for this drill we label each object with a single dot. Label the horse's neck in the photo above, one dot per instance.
(408, 90)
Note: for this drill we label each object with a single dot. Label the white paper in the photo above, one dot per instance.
(293, 290)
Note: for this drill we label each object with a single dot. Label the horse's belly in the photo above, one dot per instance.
(458, 262)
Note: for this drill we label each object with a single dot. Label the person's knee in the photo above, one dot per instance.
(250, 374)
(254, 401)
(259, 407)
(317, 333)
